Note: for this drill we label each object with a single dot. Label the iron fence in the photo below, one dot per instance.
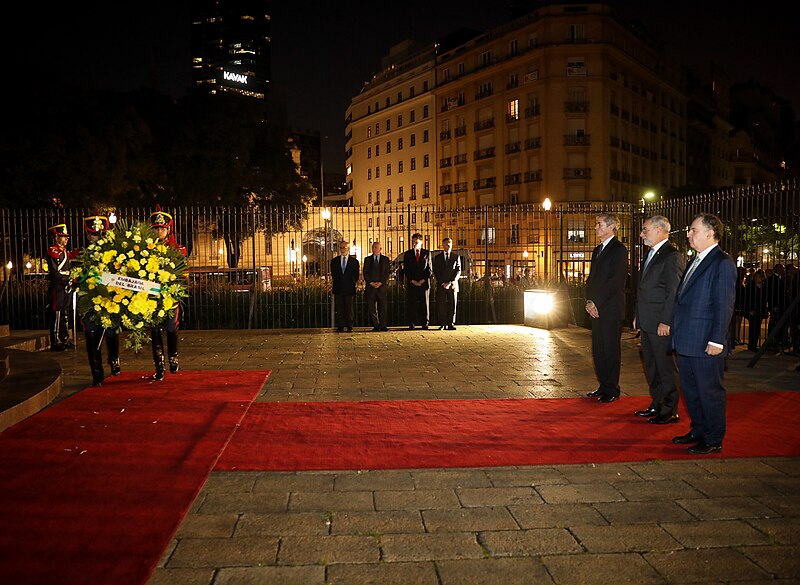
(269, 267)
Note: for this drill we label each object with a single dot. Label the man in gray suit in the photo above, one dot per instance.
(658, 283)
(447, 270)
(377, 269)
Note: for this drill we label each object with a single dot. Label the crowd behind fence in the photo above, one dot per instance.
(267, 267)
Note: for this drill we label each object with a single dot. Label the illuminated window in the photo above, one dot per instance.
(512, 109)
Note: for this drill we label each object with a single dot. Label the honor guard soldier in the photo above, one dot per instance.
(95, 226)
(163, 225)
(58, 266)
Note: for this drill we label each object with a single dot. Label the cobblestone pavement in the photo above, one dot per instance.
(708, 520)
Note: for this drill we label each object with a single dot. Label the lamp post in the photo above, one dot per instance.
(326, 216)
(547, 205)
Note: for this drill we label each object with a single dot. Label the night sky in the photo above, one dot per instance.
(322, 52)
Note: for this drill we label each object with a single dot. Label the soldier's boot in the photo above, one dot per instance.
(112, 343)
(172, 351)
(55, 341)
(158, 357)
(95, 357)
(63, 330)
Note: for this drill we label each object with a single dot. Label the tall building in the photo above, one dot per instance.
(231, 47)
(566, 102)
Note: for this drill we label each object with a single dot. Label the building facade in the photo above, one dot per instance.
(231, 47)
(566, 102)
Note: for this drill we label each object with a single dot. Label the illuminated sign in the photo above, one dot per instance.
(237, 77)
(577, 255)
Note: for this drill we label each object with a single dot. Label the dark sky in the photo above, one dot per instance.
(324, 51)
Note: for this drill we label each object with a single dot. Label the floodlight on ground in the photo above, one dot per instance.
(542, 309)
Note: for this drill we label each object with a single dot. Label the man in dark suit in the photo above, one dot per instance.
(447, 270)
(605, 303)
(344, 272)
(700, 319)
(658, 283)
(417, 271)
(377, 269)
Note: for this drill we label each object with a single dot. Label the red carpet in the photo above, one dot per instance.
(93, 488)
(489, 433)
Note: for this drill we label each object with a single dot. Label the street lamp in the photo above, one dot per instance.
(326, 216)
(547, 205)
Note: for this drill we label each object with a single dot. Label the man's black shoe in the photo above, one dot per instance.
(57, 347)
(425, 327)
(664, 420)
(607, 399)
(411, 326)
(647, 412)
(686, 439)
(704, 449)
(451, 327)
(442, 327)
(348, 329)
(593, 393)
(384, 329)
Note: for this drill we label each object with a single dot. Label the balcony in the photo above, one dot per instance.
(533, 176)
(489, 183)
(460, 187)
(444, 135)
(445, 189)
(483, 94)
(513, 147)
(512, 118)
(576, 140)
(483, 153)
(533, 142)
(533, 111)
(576, 107)
(484, 124)
(577, 173)
(445, 162)
(460, 159)
(512, 179)
(461, 131)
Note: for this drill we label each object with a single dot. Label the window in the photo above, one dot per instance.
(388, 101)
(388, 146)
(485, 59)
(514, 237)
(414, 218)
(513, 80)
(399, 96)
(399, 120)
(388, 200)
(487, 236)
(411, 91)
(426, 161)
(400, 219)
(461, 69)
(426, 189)
(388, 169)
(369, 152)
(424, 86)
(389, 245)
(399, 144)
(425, 136)
(388, 124)
(512, 110)
(377, 150)
(388, 220)
(369, 197)
(425, 111)
(413, 140)
(377, 197)
(369, 223)
(377, 128)
(377, 172)
(576, 66)
(413, 191)
(413, 116)
(400, 198)
(369, 131)
(369, 174)
(512, 47)
(446, 74)
(413, 163)
(400, 166)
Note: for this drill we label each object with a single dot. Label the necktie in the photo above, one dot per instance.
(689, 272)
(417, 255)
(344, 263)
(446, 256)
(650, 255)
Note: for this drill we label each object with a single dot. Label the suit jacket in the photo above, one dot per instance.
(377, 271)
(344, 283)
(703, 309)
(447, 271)
(658, 285)
(606, 282)
(414, 269)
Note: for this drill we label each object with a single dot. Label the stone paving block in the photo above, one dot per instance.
(224, 552)
(327, 550)
(738, 467)
(782, 562)
(517, 571)
(643, 512)
(377, 523)
(556, 515)
(330, 501)
(655, 470)
(374, 480)
(416, 500)
(726, 487)
(786, 466)
(493, 496)
(295, 482)
(423, 573)
(230, 482)
(220, 503)
(582, 493)
(624, 538)
(601, 569)
(591, 473)
(285, 524)
(655, 490)
(783, 505)
(779, 530)
(715, 533)
(430, 547)
(536, 542)
(436, 479)
(704, 565)
(469, 520)
(307, 575)
(525, 476)
(208, 525)
(728, 508)
(181, 577)
(783, 484)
